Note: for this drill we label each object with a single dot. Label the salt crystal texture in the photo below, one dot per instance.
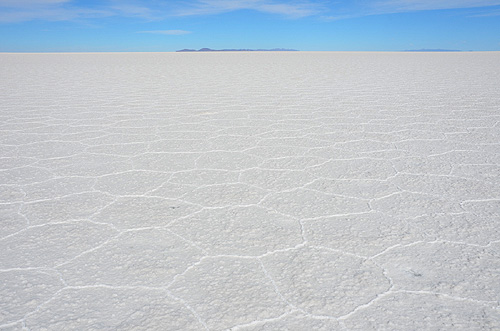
(250, 191)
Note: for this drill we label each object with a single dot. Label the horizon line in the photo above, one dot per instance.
(252, 51)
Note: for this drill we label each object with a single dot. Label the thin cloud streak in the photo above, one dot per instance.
(213, 7)
(12, 11)
(399, 6)
(167, 32)
(139, 9)
(68, 10)
(30, 3)
(52, 14)
(369, 8)
(488, 14)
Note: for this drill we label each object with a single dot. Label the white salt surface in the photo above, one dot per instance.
(250, 191)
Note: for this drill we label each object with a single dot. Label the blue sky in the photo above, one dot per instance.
(309, 25)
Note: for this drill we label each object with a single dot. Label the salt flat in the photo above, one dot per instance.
(250, 191)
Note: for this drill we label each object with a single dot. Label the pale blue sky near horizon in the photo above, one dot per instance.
(307, 25)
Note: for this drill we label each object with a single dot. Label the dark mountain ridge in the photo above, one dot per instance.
(238, 50)
(432, 50)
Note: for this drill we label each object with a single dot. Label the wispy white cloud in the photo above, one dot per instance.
(30, 3)
(291, 9)
(397, 6)
(49, 10)
(67, 10)
(24, 10)
(167, 32)
(51, 14)
(131, 8)
(483, 13)
(347, 9)
(340, 9)
(487, 14)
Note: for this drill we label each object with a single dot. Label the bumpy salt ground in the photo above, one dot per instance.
(250, 191)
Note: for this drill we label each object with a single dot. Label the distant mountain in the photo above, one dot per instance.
(432, 50)
(238, 50)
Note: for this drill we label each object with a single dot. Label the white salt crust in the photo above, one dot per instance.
(250, 191)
